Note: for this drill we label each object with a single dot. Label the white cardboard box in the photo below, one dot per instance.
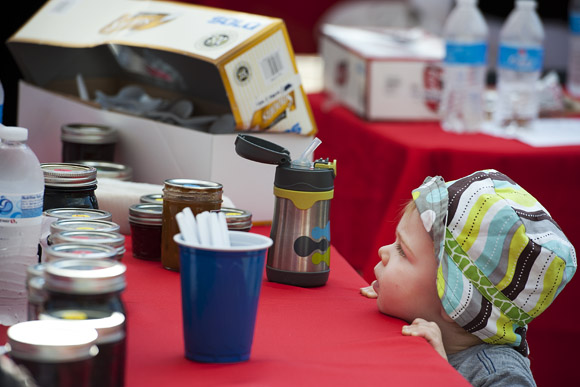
(383, 74)
(225, 62)
(158, 151)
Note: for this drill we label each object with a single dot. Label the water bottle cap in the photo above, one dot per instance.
(13, 133)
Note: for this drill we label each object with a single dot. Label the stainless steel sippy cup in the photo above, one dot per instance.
(300, 254)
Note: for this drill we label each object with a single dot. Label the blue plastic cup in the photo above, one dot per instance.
(220, 288)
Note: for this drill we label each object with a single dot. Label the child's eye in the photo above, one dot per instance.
(400, 250)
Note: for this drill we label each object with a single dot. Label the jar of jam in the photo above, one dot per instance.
(109, 364)
(108, 238)
(54, 352)
(107, 170)
(152, 198)
(55, 214)
(88, 142)
(198, 195)
(69, 186)
(145, 220)
(83, 225)
(78, 213)
(81, 284)
(79, 251)
(237, 220)
(35, 290)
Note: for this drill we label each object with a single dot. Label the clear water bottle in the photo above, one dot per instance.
(519, 66)
(573, 74)
(21, 196)
(466, 35)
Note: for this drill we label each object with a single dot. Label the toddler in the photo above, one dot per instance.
(474, 261)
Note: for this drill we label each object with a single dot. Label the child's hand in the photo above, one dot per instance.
(430, 331)
(368, 291)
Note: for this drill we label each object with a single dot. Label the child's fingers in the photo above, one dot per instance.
(368, 292)
(429, 331)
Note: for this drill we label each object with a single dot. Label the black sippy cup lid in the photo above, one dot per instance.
(260, 150)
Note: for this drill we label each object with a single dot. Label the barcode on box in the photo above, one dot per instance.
(272, 67)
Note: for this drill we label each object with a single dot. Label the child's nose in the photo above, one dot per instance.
(384, 254)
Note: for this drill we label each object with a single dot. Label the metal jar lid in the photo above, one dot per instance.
(78, 213)
(83, 225)
(196, 185)
(152, 198)
(51, 341)
(85, 276)
(35, 289)
(68, 175)
(79, 251)
(107, 238)
(236, 218)
(110, 170)
(34, 271)
(110, 327)
(88, 134)
(146, 213)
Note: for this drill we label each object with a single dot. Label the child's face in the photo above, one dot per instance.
(405, 285)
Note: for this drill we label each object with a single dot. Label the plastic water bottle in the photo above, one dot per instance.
(21, 196)
(573, 74)
(520, 61)
(466, 35)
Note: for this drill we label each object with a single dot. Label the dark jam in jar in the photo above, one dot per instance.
(88, 142)
(54, 352)
(145, 220)
(198, 195)
(69, 186)
(84, 284)
(109, 364)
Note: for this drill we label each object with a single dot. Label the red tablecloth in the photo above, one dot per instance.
(303, 337)
(378, 164)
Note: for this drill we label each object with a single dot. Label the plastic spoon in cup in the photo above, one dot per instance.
(216, 234)
(223, 226)
(185, 228)
(204, 228)
(188, 214)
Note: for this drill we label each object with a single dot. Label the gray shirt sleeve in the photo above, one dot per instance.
(493, 365)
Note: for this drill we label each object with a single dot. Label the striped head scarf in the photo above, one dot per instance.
(502, 258)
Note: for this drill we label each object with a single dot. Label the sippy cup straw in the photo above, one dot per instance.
(304, 160)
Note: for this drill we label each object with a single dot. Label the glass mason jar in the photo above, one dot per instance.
(110, 170)
(88, 142)
(53, 352)
(84, 284)
(145, 220)
(69, 186)
(237, 219)
(109, 364)
(107, 238)
(198, 195)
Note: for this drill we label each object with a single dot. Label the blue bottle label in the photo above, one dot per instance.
(575, 23)
(517, 58)
(16, 206)
(465, 53)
